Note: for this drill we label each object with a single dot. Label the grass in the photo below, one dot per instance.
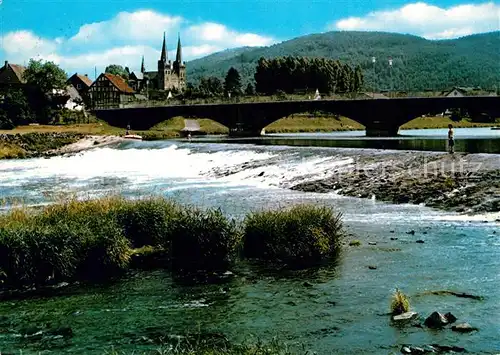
(96, 239)
(354, 243)
(311, 123)
(11, 151)
(204, 347)
(302, 233)
(400, 303)
(443, 122)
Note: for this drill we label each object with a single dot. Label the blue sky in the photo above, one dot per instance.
(80, 35)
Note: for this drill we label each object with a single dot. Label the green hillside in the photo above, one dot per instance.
(419, 64)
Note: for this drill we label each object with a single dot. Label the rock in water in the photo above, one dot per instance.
(450, 318)
(436, 320)
(405, 316)
(463, 328)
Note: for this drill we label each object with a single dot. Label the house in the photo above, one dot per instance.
(171, 75)
(81, 83)
(459, 91)
(136, 81)
(372, 95)
(12, 74)
(110, 91)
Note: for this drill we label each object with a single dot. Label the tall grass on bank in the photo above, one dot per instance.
(300, 234)
(95, 239)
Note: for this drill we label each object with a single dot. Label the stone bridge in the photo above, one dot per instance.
(381, 117)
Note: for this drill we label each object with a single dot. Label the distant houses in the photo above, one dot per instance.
(110, 90)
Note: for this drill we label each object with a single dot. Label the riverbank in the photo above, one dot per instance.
(33, 145)
(465, 183)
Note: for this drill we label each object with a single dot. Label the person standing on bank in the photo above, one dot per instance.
(451, 141)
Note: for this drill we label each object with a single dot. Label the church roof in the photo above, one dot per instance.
(137, 76)
(164, 55)
(151, 74)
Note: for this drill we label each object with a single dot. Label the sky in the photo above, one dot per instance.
(85, 36)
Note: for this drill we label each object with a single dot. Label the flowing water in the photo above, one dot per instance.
(345, 311)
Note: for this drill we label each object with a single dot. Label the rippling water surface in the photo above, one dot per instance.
(345, 311)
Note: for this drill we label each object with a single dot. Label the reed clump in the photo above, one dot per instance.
(302, 233)
(400, 303)
(100, 238)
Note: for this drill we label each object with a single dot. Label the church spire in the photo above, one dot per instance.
(164, 57)
(143, 68)
(178, 57)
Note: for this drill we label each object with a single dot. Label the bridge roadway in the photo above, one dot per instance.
(381, 117)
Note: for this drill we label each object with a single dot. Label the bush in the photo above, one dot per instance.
(93, 239)
(400, 303)
(35, 253)
(204, 240)
(302, 233)
(149, 221)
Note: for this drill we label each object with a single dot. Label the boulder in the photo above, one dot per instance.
(463, 328)
(450, 318)
(436, 320)
(405, 316)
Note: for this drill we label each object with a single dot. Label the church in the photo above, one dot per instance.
(170, 75)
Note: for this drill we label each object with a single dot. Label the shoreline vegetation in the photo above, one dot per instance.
(47, 140)
(98, 239)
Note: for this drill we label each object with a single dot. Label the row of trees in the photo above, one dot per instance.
(289, 74)
(212, 86)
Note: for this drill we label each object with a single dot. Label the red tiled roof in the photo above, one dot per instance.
(119, 83)
(85, 79)
(19, 71)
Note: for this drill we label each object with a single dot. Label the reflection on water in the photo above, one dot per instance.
(467, 140)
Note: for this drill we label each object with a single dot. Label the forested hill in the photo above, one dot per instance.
(418, 64)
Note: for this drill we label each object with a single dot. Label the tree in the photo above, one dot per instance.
(116, 69)
(45, 76)
(250, 90)
(232, 84)
(210, 87)
(14, 108)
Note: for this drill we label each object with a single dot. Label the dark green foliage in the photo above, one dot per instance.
(210, 87)
(148, 221)
(250, 90)
(419, 64)
(116, 69)
(290, 74)
(93, 239)
(203, 240)
(232, 83)
(45, 76)
(14, 108)
(300, 234)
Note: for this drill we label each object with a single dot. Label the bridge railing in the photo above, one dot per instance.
(279, 98)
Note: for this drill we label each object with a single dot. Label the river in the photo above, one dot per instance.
(345, 311)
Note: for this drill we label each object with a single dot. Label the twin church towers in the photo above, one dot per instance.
(170, 75)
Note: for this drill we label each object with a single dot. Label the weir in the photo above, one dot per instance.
(381, 117)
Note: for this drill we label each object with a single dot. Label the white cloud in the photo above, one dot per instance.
(124, 39)
(429, 21)
(214, 32)
(144, 25)
(23, 45)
